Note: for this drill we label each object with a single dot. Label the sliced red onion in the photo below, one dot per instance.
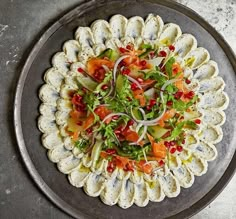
(116, 65)
(170, 55)
(106, 68)
(156, 61)
(145, 157)
(143, 113)
(138, 127)
(111, 90)
(154, 121)
(91, 145)
(134, 81)
(114, 114)
(148, 122)
(144, 130)
(143, 134)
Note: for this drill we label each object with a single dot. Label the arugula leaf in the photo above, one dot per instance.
(142, 55)
(180, 105)
(82, 144)
(171, 88)
(91, 100)
(178, 130)
(123, 87)
(132, 151)
(168, 66)
(190, 124)
(156, 75)
(146, 46)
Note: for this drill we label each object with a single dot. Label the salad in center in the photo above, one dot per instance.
(132, 108)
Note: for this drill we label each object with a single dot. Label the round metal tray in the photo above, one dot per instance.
(54, 184)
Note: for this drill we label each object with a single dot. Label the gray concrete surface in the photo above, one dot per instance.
(21, 22)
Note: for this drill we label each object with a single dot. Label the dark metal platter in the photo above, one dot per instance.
(54, 184)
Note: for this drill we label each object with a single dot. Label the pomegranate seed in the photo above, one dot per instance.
(126, 71)
(117, 131)
(152, 54)
(197, 121)
(162, 53)
(172, 143)
(122, 50)
(169, 103)
(129, 47)
(140, 80)
(111, 151)
(97, 110)
(178, 94)
(130, 122)
(80, 70)
(111, 164)
(183, 142)
(104, 87)
(89, 130)
(187, 81)
(172, 150)
(171, 48)
(152, 102)
(104, 138)
(97, 75)
(161, 162)
(189, 95)
(115, 117)
(148, 107)
(79, 123)
(134, 86)
(77, 98)
(179, 148)
(143, 63)
(122, 63)
(110, 169)
(167, 144)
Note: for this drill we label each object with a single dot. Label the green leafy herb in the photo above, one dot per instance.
(132, 151)
(82, 144)
(169, 65)
(156, 75)
(146, 46)
(178, 130)
(180, 105)
(91, 100)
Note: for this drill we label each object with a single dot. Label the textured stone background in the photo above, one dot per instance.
(19, 197)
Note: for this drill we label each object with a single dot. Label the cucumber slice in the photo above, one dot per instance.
(119, 83)
(109, 53)
(96, 152)
(157, 131)
(105, 53)
(137, 114)
(87, 82)
(114, 55)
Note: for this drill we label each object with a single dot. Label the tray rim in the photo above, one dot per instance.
(47, 191)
